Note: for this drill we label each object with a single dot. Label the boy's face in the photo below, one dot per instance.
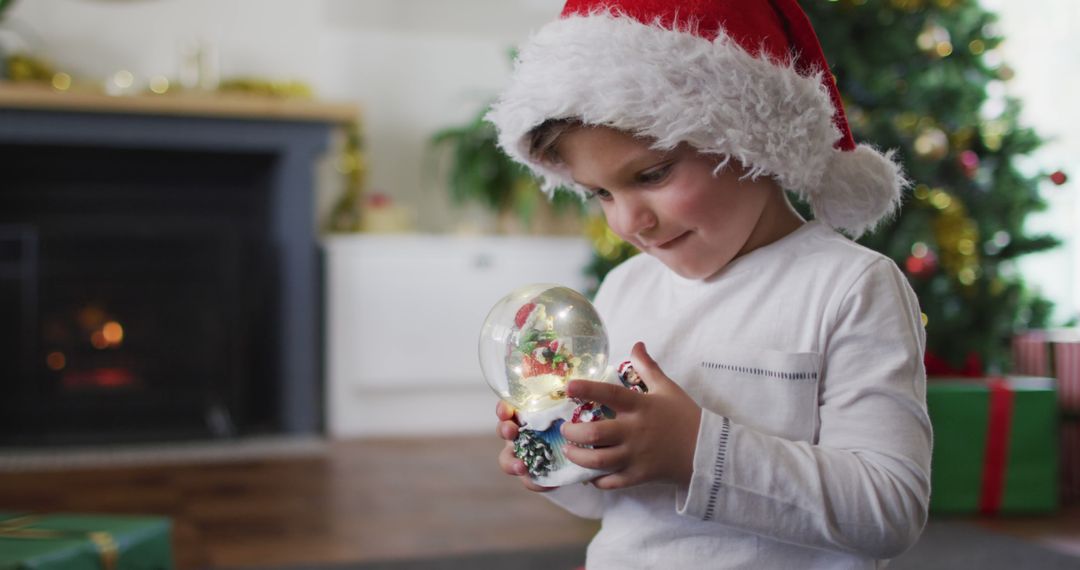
(668, 204)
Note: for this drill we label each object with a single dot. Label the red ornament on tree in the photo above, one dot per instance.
(969, 163)
(1059, 178)
(922, 262)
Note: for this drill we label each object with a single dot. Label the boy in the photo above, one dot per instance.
(787, 427)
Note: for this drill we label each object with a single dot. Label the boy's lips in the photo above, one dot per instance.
(668, 243)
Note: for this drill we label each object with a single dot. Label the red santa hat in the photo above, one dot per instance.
(744, 79)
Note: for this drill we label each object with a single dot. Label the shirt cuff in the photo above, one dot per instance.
(698, 500)
(580, 499)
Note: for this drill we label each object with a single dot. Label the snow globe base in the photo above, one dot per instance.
(540, 443)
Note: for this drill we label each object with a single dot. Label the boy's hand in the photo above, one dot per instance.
(508, 462)
(652, 437)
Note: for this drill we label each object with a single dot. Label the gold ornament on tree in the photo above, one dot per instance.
(906, 123)
(935, 41)
(956, 233)
(932, 144)
(993, 133)
(908, 5)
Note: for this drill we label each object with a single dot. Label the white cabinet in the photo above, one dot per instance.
(403, 315)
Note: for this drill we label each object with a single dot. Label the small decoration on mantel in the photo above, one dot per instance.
(267, 88)
(21, 67)
(26, 68)
(380, 214)
(346, 215)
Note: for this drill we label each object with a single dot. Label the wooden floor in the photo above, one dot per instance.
(359, 500)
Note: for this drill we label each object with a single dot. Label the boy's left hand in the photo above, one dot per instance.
(652, 438)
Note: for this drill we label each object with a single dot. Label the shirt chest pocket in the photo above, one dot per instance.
(771, 391)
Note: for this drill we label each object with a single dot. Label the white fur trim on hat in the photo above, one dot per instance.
(674, 86)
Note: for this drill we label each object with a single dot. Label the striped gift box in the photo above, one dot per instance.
(1031, 353)
(1053, 353)
(1065, 351)
(1056, 353)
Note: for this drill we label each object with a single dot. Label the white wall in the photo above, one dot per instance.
(413, 66)
(1041, 47)
(94, 38)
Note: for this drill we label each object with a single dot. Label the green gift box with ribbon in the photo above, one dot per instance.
(995, 445)
(84, 542)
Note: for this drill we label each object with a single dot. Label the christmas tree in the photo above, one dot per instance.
(916, 76)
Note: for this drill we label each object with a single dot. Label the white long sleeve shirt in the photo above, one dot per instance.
(814, 448)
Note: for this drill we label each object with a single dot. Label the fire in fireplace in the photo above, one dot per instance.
(137, 292)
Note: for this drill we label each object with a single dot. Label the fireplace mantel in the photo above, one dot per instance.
(291, 136)
(237, 106)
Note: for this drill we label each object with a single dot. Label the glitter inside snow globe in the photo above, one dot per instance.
(533, 342)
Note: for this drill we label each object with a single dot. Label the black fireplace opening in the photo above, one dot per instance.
(138, 295)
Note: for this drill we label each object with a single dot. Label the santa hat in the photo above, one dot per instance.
(744, 79)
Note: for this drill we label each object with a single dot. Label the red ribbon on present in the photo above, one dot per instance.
(997, 446)
(937, 366)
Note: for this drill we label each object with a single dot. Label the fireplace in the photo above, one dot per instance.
(159, 291)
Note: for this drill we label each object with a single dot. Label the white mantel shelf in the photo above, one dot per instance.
(39, 97)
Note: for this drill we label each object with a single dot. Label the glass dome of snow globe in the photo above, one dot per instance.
(538, 338)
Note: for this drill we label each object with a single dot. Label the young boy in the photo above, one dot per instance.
(785, 422)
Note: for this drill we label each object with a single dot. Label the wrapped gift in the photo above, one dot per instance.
(1056, 353)
(1031, 353)
(995, 445)
(84, 542)
(1053, 353)
(1065, 355)
(1070, 459)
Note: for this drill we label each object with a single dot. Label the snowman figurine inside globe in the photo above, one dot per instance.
(533, 342)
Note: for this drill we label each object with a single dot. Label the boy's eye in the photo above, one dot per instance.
(654, 175)
(600, 194)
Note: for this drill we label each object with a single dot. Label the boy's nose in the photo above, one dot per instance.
(635, 217)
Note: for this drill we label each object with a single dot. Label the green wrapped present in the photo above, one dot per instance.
(995, 445)
(84, 542)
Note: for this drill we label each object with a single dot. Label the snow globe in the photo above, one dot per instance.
(533, 342)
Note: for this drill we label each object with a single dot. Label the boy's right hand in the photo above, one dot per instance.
(508, 462)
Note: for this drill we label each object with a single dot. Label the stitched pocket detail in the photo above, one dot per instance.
(780, 375)
(770, 391)
(718, 470)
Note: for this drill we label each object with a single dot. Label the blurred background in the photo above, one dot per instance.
(246, 247)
